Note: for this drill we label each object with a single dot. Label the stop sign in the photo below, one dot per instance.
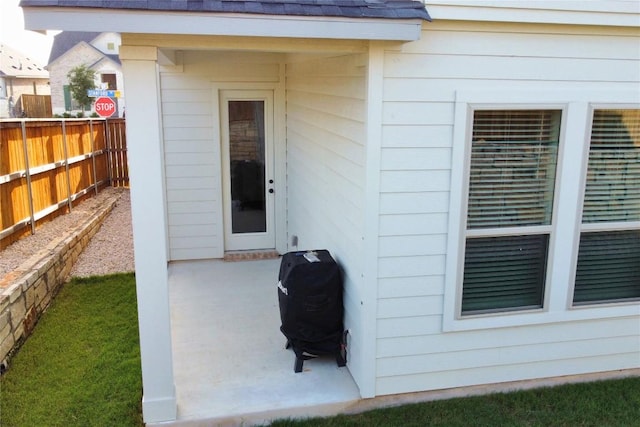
(105, 107)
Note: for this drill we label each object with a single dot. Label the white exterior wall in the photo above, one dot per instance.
(108, 43)
(192, 144)
(326, 115)
(414, 352)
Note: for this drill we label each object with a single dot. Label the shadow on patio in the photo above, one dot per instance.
(230, 364)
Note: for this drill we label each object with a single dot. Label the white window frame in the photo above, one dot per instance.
(596, 226)
(577, 112)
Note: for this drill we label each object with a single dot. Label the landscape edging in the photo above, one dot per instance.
(27, 292)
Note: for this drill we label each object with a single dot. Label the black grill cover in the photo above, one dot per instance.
(310, 297)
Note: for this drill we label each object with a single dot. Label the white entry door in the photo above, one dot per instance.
(248, 169)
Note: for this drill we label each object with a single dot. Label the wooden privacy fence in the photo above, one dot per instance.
(47, 166)
(36, 105)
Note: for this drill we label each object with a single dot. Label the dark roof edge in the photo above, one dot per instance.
(380, 9)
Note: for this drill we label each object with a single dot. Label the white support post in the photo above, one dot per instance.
(375, 84)
(149, 220)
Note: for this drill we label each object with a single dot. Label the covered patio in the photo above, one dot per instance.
(229, 361)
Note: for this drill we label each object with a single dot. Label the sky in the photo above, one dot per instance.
(12, 33)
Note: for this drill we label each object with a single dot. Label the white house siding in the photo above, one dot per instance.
(192, 145)
(109, 43)
(413, 352)
(325, 171)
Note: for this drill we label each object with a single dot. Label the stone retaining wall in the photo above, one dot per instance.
(26, 292)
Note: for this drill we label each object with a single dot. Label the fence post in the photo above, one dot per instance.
(123, 153)
(93, 157)
(107, 130)
(28, 176)
(66, 162)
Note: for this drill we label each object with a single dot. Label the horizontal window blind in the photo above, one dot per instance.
(504, 272)
(613, 179)
(608, 267)
(513, 166)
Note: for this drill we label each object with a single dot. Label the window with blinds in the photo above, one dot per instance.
(608, 268)
(511, 191)
(513, 164)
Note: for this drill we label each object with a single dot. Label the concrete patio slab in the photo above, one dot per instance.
(230, 364)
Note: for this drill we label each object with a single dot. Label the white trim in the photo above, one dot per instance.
(159, 409)
(280, 151)
(280, 160)
(580, 226)
(610, 226)
(508, 231)
(569, 176)
(253, 240)
(539, 317)
(588, 12)
(142, 53)
(375, 86)
(217, 139)
(148, 194)
(219, 24)
(576, 121)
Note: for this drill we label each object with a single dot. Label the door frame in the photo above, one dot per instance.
(249, 240)
(279, 154)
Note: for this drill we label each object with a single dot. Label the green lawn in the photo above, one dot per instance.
(81, 367)
(597, 404)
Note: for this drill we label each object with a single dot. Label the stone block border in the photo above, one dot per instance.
(26, 292)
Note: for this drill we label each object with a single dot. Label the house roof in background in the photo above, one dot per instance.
(385, 9)
(13, 63)
(64, 41)
(114, 58)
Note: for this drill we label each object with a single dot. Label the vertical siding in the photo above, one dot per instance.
(419, 92)
(192, 146)
(325, 168)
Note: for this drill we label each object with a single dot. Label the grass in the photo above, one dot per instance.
(81, 366)
(602, 403)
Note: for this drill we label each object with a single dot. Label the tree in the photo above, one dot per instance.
(81, 79)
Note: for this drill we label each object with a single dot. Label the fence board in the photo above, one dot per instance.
(11, 151)
(36, 105)
(68, 160)
(117, 147)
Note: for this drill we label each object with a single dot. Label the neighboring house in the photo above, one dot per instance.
(476, 176)
(98, 51)
(19, 75)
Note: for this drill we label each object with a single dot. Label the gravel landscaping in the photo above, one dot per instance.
(110, 250)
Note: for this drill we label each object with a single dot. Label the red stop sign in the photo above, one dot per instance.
(105, 107)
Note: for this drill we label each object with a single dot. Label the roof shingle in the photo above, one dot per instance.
(65, 40)
(385, 9)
